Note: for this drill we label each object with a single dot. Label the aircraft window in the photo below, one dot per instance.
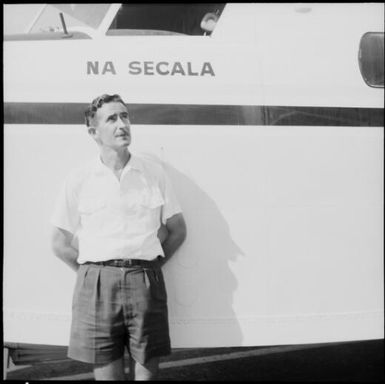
(44, 22)
(166, 19)
(371, 58)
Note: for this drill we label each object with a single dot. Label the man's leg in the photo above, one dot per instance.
(110, 371)
(147, 371)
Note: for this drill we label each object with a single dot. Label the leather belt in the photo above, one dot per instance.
(125, 263)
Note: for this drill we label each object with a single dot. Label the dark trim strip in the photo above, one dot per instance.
(23, 353)
(189, 114)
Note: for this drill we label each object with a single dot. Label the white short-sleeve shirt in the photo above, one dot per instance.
(116, 219)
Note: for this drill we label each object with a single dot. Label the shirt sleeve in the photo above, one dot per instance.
(66, 214)
(171, 205)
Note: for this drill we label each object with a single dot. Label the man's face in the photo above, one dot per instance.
(112, 126)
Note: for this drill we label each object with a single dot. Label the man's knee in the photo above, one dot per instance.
(110, 371)
(147, 371)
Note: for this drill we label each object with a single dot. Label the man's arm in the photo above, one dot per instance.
(61, 244)
(176, 234)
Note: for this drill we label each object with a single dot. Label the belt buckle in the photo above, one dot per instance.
(127, 263)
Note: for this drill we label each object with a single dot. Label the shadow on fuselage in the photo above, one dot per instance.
(199, 279)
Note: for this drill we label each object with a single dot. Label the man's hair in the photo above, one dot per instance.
(97, 103)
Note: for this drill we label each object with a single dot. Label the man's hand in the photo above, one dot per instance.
(61, 244)
(176, 234)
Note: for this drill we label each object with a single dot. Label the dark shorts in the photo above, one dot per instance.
(114, 308)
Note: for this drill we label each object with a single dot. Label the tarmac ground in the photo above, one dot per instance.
(345, 361)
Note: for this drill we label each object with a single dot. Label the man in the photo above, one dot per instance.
(123, 213)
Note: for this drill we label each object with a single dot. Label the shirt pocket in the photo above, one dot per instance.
(91, 205)
(153, 198)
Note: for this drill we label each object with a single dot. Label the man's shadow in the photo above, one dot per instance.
(199, 280)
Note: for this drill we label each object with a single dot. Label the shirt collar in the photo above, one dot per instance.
(133, 163)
